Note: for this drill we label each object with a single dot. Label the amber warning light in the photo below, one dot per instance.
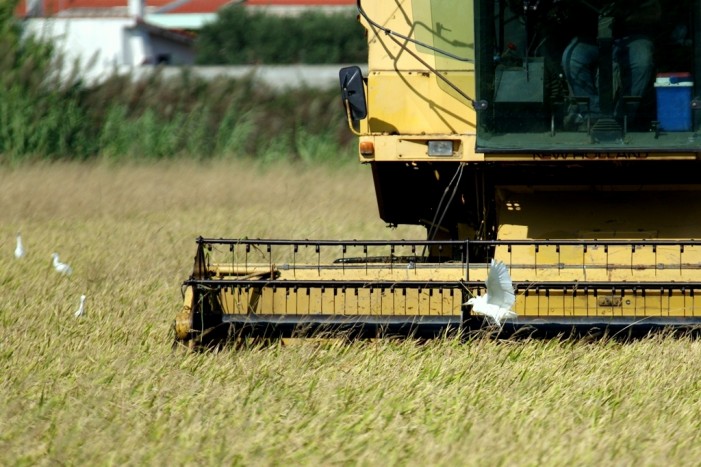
(367, 148)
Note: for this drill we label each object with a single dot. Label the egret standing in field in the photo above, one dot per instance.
(496, 304)
(81, 309)
(19, 249)
(60, 267)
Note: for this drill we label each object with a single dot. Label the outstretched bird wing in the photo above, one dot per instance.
(500, 289)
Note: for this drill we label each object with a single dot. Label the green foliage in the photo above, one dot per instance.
(8, 27)
(47, 112)
(240, 36)
(39, 114)
(221, 118)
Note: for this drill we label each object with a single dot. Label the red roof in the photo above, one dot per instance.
(54, 6)
(191, 6)
(300, 2)
(198, 6)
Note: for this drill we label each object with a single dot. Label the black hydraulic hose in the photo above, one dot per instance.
(407, 38)
(443, 209)
(477, 105)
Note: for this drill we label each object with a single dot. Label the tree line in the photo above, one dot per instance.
(240, 36)
(122, 118)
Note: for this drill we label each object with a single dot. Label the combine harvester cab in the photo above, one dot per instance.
(471, 129)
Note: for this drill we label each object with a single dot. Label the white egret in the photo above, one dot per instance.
(60, 267)
(81, 309)
(19, 249)
(496, 303)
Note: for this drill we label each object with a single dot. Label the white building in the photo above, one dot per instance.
(130, 36)
(105, 41)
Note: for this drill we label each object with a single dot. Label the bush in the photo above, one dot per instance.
(47, 118)
(224, 117)
(39, 116)
(240, 36)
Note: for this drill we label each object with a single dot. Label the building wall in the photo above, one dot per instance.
(177, 54)
(278, 78)
(106, 45)
(97, 44)
(192, 21)
(296, 10)
(136, 47)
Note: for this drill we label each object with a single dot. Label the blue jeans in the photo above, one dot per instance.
(632, 61)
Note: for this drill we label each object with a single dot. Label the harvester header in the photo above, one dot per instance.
(484, 123)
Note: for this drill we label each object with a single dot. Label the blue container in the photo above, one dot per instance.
(674, 102)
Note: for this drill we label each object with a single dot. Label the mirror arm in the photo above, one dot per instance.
(350, 120)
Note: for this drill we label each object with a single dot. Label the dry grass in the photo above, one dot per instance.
(109, 389)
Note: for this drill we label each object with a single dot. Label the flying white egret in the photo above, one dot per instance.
(19, 249)
(60, 267)
(496, 304)
(81, 309)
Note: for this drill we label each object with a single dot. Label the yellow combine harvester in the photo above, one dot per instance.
(476, 123)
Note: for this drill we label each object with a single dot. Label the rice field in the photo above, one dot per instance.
(109, 388)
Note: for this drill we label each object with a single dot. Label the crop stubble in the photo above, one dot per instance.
(109, 388)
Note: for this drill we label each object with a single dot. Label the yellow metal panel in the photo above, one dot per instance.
(535, 301)
(278, 299)
(410, 149)
(404, 94)
(307, 301)
(571, 212)
(408, 18)
(533, 266)
(410, 102)
(603, 304)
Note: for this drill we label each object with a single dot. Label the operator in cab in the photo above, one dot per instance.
(627, 26)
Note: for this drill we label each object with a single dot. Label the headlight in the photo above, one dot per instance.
(440, 148)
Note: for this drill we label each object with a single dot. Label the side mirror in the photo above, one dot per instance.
(353, 92)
